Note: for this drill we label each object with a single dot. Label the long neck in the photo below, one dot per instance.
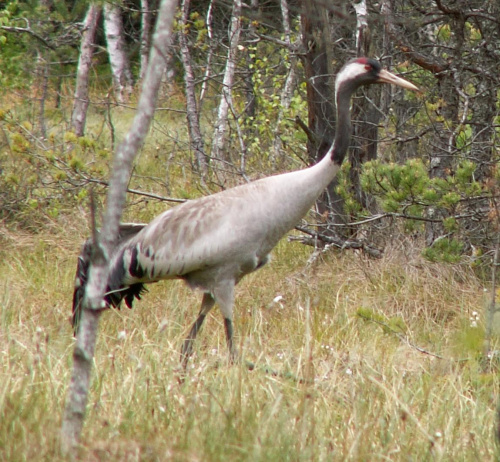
(343, 130)
(309, 183)
(318, 176)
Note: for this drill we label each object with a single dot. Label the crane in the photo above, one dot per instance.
(213, 241)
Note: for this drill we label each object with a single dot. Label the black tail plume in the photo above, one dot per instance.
(81, 276)
(126, 232)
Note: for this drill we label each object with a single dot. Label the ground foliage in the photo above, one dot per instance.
(449, 133)
(376, 359)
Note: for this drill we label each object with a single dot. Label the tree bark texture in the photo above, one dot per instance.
(291, 79)
(192, 113)
(81, 102)
(317, 61)
(208, 66)
(318, 74)
(248, 75)
(104, 244)
(220, 133)
(118, 58)
(146, 25)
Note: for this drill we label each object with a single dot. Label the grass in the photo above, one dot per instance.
(378, 358)
(364, 393)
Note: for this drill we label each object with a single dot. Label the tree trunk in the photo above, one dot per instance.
(288, 87)
(320, 91)
(146, 24)
(105, 242)
(81, 102)
(42, 73)
(120, 66)
(251, 100)
(318, 73)
(483, 114)
(219, 139)
(208, 65)
(193, 115)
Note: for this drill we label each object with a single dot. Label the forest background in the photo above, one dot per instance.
(407, 234)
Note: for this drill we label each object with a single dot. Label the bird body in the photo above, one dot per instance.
(238, 226)
(213, 241)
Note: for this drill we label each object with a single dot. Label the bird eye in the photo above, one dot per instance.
(368, 67)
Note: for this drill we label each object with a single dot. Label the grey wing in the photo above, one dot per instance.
(210, 232)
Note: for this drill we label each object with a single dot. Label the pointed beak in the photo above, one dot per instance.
(387, 77)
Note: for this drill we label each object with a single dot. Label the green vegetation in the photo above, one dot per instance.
(377, 358)
(349, 330)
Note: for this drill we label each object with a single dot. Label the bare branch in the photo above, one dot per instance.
(425, 62)
(337, 242)
(139, 193)
(28, 30)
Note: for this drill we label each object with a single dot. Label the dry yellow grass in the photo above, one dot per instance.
(365, 392)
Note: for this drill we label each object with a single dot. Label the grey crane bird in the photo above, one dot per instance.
(214, 241)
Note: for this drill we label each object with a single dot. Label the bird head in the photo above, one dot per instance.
(366, 71)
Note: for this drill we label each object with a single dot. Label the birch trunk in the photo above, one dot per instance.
(82, 101)
(118, 59)
(193, 116)
(219, 138)
(93, 302)
(146, 19)
(208, 66)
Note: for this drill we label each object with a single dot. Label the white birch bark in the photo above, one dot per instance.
(118, 59)
(146, 18)
(362, 31)
(93, 302)
(208, 66)
(81, 103)
(193, 117)
(287, 93)
(219, 138)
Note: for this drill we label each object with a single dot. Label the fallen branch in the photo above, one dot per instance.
(139, 193)
(405, 339)
(313, 237)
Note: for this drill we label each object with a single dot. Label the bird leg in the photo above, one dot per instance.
(207, 304)
(233, 352)
(224, 294)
